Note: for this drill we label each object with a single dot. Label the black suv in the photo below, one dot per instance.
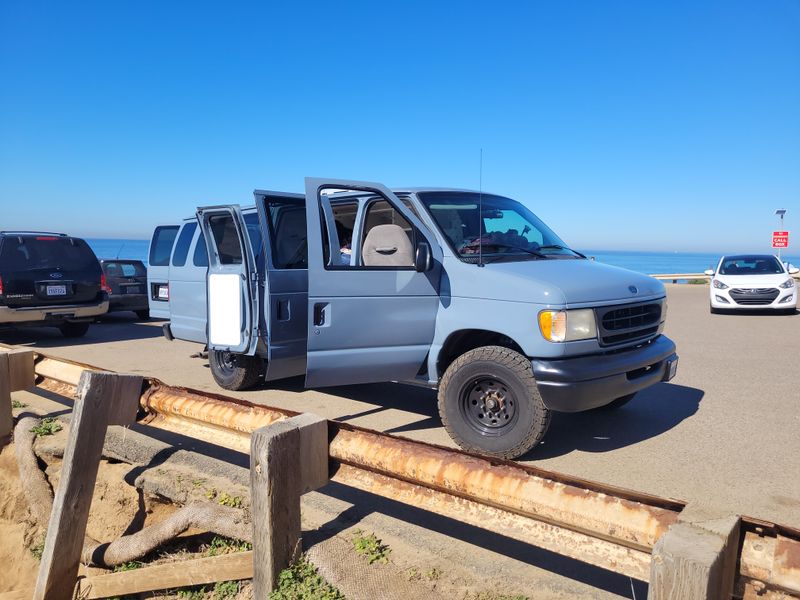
(50, 279)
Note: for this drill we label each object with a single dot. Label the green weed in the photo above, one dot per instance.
(37, 550)
(370, 547)
(222, 545)
(128, 566)
(227, 500)
(17, 404)
(302, 582)
(191, 593)
(47, 426)
(433, 575)
(225, 590)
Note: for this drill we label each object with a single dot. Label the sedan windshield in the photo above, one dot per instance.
(751, 265)
(499, 227)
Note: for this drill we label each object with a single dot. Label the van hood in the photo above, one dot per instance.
(569, 282)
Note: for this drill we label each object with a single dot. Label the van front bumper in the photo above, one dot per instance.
(49, 314)
(586, 382)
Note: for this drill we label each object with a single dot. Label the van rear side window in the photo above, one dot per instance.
(182, 245)
(161, 246)
(226, 239)
(200, 258)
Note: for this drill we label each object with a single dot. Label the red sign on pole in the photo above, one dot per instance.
(780, 239)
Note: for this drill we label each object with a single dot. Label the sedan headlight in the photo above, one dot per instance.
(718, 284)
(787, 285)
(567, 325)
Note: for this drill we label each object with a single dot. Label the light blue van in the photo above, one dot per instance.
(458, 290)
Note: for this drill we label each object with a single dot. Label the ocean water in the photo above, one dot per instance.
(653, 263)
(133, 249)
(650, 263)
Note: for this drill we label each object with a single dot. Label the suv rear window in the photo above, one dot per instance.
(23, 253)
(125, 269)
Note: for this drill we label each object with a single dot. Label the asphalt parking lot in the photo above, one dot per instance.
(725, 431)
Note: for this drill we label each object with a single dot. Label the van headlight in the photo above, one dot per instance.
(787, 285)
(567, 325)
(719, 285)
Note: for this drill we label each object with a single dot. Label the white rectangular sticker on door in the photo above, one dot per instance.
(224, 309)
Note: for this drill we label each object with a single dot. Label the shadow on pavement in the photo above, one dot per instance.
(118, 327)
(651, 412)
(365, 503)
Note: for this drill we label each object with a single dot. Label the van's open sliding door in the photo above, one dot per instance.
(231, 286)
(371, 308)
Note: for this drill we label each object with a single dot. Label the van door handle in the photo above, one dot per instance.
(319, 314)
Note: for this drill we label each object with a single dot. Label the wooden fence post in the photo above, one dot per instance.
(696, 558)
(105, 399)
(287, 459)
(16, 373)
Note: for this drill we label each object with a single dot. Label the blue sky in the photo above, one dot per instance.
(624, 125)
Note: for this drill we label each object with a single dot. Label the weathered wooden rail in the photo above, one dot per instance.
(648, 538)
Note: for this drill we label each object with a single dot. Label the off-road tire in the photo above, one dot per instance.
(143, 315)
(70, 329)
(531, 418)
(235, 371)
(618, 403)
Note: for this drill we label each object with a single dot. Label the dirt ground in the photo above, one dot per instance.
(116, 509)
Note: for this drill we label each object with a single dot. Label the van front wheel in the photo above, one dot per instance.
(490, 404)
(234, 371)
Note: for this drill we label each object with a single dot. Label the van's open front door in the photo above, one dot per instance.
(373, 279)
(231, 281)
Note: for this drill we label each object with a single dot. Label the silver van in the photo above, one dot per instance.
(463, 291)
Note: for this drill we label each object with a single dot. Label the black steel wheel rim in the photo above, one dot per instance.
(488, 406)
(226, 361)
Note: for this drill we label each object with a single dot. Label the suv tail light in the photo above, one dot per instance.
(104, 284)
(1, 286)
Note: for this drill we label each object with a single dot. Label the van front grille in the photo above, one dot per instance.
(631, 322)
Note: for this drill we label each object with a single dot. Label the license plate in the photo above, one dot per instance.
(671, 370)
(163, 292)
(133, 289)
(56, 290)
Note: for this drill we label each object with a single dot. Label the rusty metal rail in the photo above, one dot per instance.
(608, 527)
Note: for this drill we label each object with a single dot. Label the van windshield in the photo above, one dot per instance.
(502, 228)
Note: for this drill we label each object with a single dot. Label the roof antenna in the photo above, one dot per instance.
(120, 249)
(480, 211)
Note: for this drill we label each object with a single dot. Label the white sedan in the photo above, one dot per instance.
(753, 281)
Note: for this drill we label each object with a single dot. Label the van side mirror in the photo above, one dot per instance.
(709, 272)
(423, 261)
(793, 270)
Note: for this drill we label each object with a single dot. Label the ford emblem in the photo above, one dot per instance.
(633, 289)
(56, 275)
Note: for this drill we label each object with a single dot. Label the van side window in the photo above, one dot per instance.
(200, 258)
(226, 239)
(344, 216)
(161, 246)
(182, 245)
(387, 239)
(288, 233)
(253, 232)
